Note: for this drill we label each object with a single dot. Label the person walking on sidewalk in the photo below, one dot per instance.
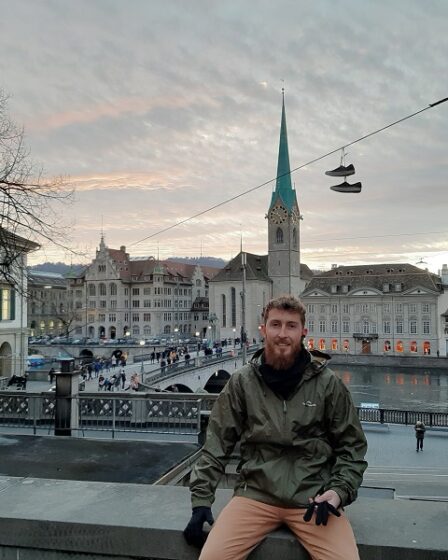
(302, 449)
(420, 430)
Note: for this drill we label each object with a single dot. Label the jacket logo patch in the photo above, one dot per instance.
(309, 403)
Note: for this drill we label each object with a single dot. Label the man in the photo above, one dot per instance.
(420, 430)
(302, 449)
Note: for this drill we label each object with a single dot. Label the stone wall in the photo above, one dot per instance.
(56, 520)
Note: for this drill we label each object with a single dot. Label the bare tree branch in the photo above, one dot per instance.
(30, 207)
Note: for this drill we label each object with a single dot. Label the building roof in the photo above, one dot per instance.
(256, 269)
(139, 269)
(374, 276)
(41, 279)
(9, 239)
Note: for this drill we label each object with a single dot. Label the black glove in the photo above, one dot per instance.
(193, 532)
(323, 510)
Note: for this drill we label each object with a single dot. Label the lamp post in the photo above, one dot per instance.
(198, 343)
(142, 344)
(176, 336)
(210, 341)
(234, 331)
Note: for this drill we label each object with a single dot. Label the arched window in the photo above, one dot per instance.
(387, 346)
(346, 345)
(113, 289)
(198, 283)
(135, 330)
(311, 344)
(102, 289)
(147, 329)
(233, 302)
(279, 235)
(92, 290)
(399, 346)
(223, 310)
(427, 348)
(294, 238)
(334, 344)
(413, 347)
(167, 329)
(322, 344)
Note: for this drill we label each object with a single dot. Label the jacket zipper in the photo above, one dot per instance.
(285, 410)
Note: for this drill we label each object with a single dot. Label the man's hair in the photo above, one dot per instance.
(285, 303)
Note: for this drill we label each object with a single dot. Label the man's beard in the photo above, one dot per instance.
(276, 358)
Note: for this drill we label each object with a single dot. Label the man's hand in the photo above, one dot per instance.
(322, 506)
(193, 533)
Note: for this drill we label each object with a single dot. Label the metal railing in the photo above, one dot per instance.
(164, 413)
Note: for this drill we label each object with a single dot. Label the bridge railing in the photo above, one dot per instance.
(169, 413)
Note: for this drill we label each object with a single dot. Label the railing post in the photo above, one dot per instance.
(406, 417)
(382, 416)
(113, 418)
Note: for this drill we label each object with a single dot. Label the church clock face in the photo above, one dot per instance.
(278, 215)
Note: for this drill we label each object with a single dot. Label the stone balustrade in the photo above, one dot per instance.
(56, 520)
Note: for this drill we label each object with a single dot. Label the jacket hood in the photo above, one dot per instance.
(318, 362)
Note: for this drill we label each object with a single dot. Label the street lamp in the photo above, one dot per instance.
(198, 343)
(142, 343)
(176, 336)
(234, 331)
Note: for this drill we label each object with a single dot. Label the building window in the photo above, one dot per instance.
(112, 317)
(413, 347)
(102, 268)
(311, 344)
(7, 308)
(135, 291)
(135, 303)
(279, 235)
(233, 304)
(311, 326)
(101, 317)
(345, 308)
(146, 303)
(365, 308)
(310, 308)
(198, 283)
(322, 308)
(146, 330)
(126, 291)
(387, 346)
(147, 317)
(334, 307)
(426, 348)
(102, 289)
(113, 304)
(413, 327)
(412, 308)
(399, 346)
(399, 327)
(223, 310)
(398, 286)
(103, 303)
(135, 317)
(346, 345)
(322, 344)
(135, 330)
(113, 289)
(386, 287)
(365, 327)
(386, 327)
(334, 344)
(294, 238)
(425, 307)
(322, 326)
(146, 291)
(92, 290)
(345, 327)
(399, 308)
(334, 326)
(426, 327)
(386, 307)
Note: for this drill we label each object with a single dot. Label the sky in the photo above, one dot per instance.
(156, 110)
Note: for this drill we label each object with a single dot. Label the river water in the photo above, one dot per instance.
(396, 388)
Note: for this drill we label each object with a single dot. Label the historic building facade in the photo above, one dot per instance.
(13, 309)
(48, 314)
(118, 296)
(389, 309)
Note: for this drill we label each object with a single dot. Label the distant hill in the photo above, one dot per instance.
(204, 261)
(58, 267)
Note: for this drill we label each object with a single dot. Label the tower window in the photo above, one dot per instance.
(279, 235)
(294, 238)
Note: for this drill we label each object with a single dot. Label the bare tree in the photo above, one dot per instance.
(29, 204)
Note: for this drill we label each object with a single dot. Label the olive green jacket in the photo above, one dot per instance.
(291, 449)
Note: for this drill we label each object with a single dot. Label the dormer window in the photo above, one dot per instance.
(386, 287)
(398, 286)
(334, 289)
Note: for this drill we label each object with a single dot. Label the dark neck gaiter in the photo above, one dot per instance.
(284, 381)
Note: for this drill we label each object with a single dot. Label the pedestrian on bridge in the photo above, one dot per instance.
(420, 430)
(302, 449)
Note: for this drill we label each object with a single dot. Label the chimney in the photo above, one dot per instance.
(123, 248)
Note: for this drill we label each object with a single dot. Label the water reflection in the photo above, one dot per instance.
(397, 388)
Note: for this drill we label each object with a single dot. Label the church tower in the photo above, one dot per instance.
(284, 225)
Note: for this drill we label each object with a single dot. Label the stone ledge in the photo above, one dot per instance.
(57, 519)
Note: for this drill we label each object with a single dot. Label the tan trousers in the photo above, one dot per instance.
(244, 523)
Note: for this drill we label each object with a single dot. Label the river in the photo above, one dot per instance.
(396, 388)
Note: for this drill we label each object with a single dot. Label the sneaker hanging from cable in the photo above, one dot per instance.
(347, 187)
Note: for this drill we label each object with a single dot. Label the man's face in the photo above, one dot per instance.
(282, 334)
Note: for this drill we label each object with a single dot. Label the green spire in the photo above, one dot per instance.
(283, 187)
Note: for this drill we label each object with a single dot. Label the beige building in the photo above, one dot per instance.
(47, 305)
(118, 294)
(374, 309)
(13, 309)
